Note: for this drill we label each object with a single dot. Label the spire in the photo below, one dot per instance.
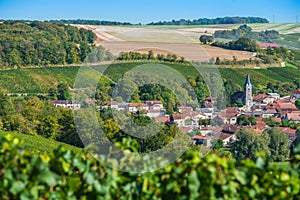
(248, 80)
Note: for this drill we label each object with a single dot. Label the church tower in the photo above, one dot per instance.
(248, 100)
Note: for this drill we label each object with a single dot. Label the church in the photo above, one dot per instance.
(247, 97)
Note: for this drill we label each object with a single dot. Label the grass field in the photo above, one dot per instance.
(38, 144)
(40, 80)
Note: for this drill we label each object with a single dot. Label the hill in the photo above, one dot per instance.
(40, 80)
(39, 144)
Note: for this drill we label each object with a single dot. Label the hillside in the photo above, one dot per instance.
(39, 144)
(39, 80)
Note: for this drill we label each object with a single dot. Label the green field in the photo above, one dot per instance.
(40, 144)
(39, 80)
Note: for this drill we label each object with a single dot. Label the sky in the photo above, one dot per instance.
(145, 11)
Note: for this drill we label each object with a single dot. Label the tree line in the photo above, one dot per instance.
(219, 20)
(88, 22)
(150, 56)
(246, 31)
(39, 43)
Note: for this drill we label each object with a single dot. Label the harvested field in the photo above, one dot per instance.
(192, 52)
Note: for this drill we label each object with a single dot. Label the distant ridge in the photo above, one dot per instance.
(201, 21)
(219, 20)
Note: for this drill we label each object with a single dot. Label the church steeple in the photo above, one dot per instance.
(248, 100)
(248, 80)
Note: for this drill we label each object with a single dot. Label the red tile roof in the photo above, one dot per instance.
(186, 129)
(112, 103)
(260, 97)
(225, 136)
(266, 45)
(137, 105)
(295, 115)
(199, 137)
(161, 119)
(287, 130)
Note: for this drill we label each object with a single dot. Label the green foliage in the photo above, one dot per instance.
(206, 39)
(219, 20)
(278, 144)
(242, 120)
(247, 145)
(39, 144)
(64, 175)
(39, 43)
(36, 117)
(63, 92)
(273, 143)
(243, 44)
(297, 103)
(246, 31)
(150, 56)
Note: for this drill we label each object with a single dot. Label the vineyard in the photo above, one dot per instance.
(39, 80)
(56, 175)
(39, 144)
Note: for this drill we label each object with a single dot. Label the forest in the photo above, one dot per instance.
(38, 43)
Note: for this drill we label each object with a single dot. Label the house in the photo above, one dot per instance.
(266, 45)
(269, 112)
(281, 107)
(155, 113)
(187, 118)
(274, 95)
(229, 115)
(134, 107)
(206, 111)
(293, 116)
(182, 109)
(201, 140)
(186, 129)
(154, 105)
(264, 99)
(296, 94)
(212, 100)
(227, 138)
(112, 104)
(162, 119)
(259, 127)
(231, 129)
(70, 104)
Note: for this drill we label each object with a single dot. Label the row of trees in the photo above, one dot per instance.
(87, 22)
(219, 20)
(150, 56)
(39, 43)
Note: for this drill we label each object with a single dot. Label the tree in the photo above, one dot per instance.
(205, 39)
(151, 55)
(218, 144)
(278, 144)
(218, 61)
(63, 92)
(296, 142)
(248, 144)
(242, 120)
(297, 103)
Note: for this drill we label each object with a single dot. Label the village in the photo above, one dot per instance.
(208, 124)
